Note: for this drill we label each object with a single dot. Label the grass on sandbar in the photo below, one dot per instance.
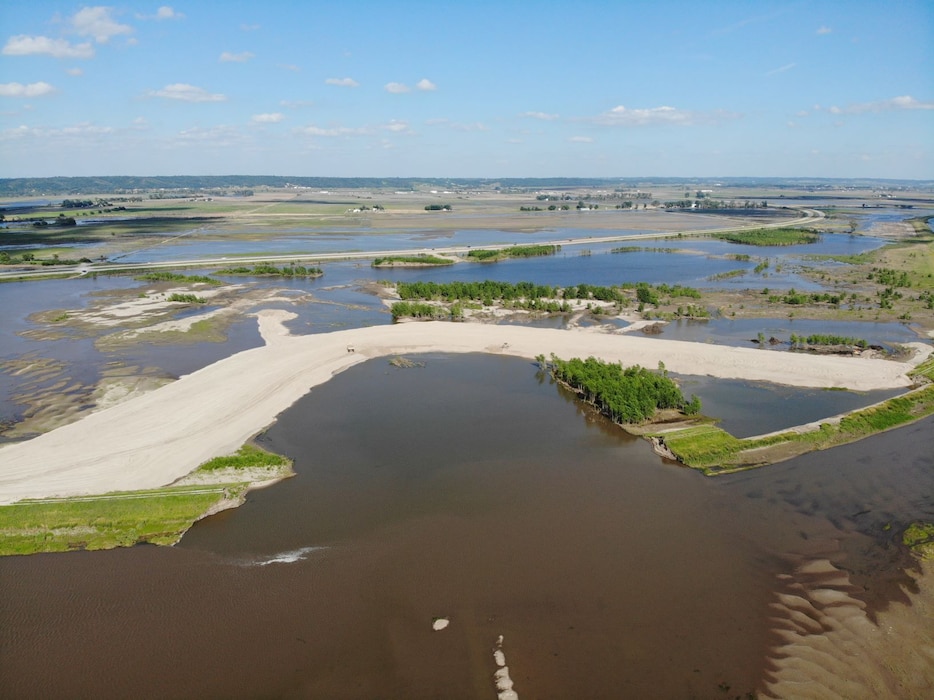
(103, 522)
(122, 519)
(713, 450)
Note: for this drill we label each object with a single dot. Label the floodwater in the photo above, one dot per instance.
(469, 489)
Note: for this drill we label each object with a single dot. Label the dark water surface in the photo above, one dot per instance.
(467, 489)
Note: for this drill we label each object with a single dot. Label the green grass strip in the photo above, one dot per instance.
(713, 450)
(115, 520)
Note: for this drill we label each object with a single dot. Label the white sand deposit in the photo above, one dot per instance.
(156, 438)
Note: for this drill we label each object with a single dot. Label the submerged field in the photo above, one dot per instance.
(482, 495)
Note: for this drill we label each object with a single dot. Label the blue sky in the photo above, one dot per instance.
(468, 89)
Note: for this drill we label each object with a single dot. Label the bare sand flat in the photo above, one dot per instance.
(152, 440)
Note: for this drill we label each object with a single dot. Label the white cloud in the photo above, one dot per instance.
(290, 66)
(294, 104)
(250, 27)
(74, 71)
(30, 90)
(782, 69)
(654, 116)
(23, 45)
(397, 127)
(312, 130)
(904, 102)
(187, 93)
(220, 136)
(397, 88)
(96, 22)
(269, 118)
(426, 85)
(824, 30)
(228, 57)
(476, 126)
(544, 116)
(342, 82)
(164, 12)
(580, 139)
(68, 132)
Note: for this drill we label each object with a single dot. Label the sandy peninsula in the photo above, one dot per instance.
(159, 437)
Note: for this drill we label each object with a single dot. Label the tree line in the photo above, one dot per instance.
(625, 395)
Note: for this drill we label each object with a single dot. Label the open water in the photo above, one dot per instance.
(469, 489)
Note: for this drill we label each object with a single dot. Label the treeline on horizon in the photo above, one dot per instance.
(61, 186)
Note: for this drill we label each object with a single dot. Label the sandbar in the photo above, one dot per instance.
(156, 438)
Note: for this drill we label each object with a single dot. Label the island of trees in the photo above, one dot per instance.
(625, 395)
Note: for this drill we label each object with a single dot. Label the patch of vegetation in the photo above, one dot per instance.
(770, 236)
(714, 451)
(267, 270)
(166, 276)
(186, 298)
(729, 274)
(247, 457)
(103, 522)
(412, 309)
(795, 298)
(819, 339)
(520, 251)
(411, 260)
(889, 277)
(625, 395)
(919, 536)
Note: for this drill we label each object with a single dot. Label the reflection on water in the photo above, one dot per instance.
(464, 489)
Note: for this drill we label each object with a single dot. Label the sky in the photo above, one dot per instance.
(512, 88)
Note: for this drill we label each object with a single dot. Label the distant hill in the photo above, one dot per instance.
(129, 184)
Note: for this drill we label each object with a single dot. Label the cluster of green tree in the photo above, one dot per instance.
(770, 236)
(61, 220)
(798, 341)
(703, 201)
(888, 296)
(799, 298)
(596, 292)
(412, 259)
(889, 277)
(518, 251)
(187, 298)
(677, 290)
(166, 276)
(7, 259)
(415, 309)
(267, 270)
(438, 207)
(761, 267)
(625, 395)
(486, 292)
(83, 203)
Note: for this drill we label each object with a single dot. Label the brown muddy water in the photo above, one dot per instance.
(472, 490)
